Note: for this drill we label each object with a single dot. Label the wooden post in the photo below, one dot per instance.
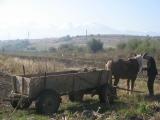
(14, 84)
(24, 72)
(54, 66)
(45, 74)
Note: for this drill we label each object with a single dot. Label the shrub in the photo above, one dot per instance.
(95, 45)
(71, 48)
(32, 48)
(121, 46)
(66, 47)
(52, 49)
(135, 45)
(67, 38)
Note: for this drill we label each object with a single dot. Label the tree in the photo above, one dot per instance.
(95, 45)
(67, 38)
(134, 44)
(66, 47)
(121, 46)
(52, 49)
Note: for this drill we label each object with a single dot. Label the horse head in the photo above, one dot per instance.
(139, 58)
(108, 65)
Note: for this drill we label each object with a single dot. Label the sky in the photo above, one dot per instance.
(56, 18)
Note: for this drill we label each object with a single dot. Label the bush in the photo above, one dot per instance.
(32, 48)
(52, 49)
(135, 45)
(95, 45)
(66, 47)
(71, 48)
(121, 46)
(67, 38)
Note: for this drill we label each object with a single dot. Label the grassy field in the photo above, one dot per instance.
(132, 107)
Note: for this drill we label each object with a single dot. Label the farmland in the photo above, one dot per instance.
(137, 106)
(65, 60)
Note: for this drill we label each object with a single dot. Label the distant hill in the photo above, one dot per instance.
(43, 44)
(108, 40)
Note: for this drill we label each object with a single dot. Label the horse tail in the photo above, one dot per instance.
(108, 65)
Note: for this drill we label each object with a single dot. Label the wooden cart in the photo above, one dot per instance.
(46, 89)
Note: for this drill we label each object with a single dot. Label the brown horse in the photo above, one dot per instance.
(125, 69)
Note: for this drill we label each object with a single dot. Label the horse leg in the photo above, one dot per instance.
(128, 86)
(115, 84)
(132, 85)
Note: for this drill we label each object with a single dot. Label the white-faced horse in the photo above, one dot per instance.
(126, 69)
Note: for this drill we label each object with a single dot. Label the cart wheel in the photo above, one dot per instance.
(48, 102)
(106, 94)
(76, 96)
(23, 105)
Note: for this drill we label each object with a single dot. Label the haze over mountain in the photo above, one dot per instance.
(51, 31)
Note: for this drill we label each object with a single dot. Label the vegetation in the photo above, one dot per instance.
(95, 45)
(147, 45)
(121, 46)
(16, 45)
(126, 107)
(14, 65)
(31, 48)
(52, 49)
(66, 38)
(71, 48)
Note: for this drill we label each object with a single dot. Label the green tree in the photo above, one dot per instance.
(95, 45)
(52, 49)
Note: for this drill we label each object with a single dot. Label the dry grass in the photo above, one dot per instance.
(15, 65)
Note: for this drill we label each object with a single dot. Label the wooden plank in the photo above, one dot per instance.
(74, 73)
(64, 83)
(14, 84)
